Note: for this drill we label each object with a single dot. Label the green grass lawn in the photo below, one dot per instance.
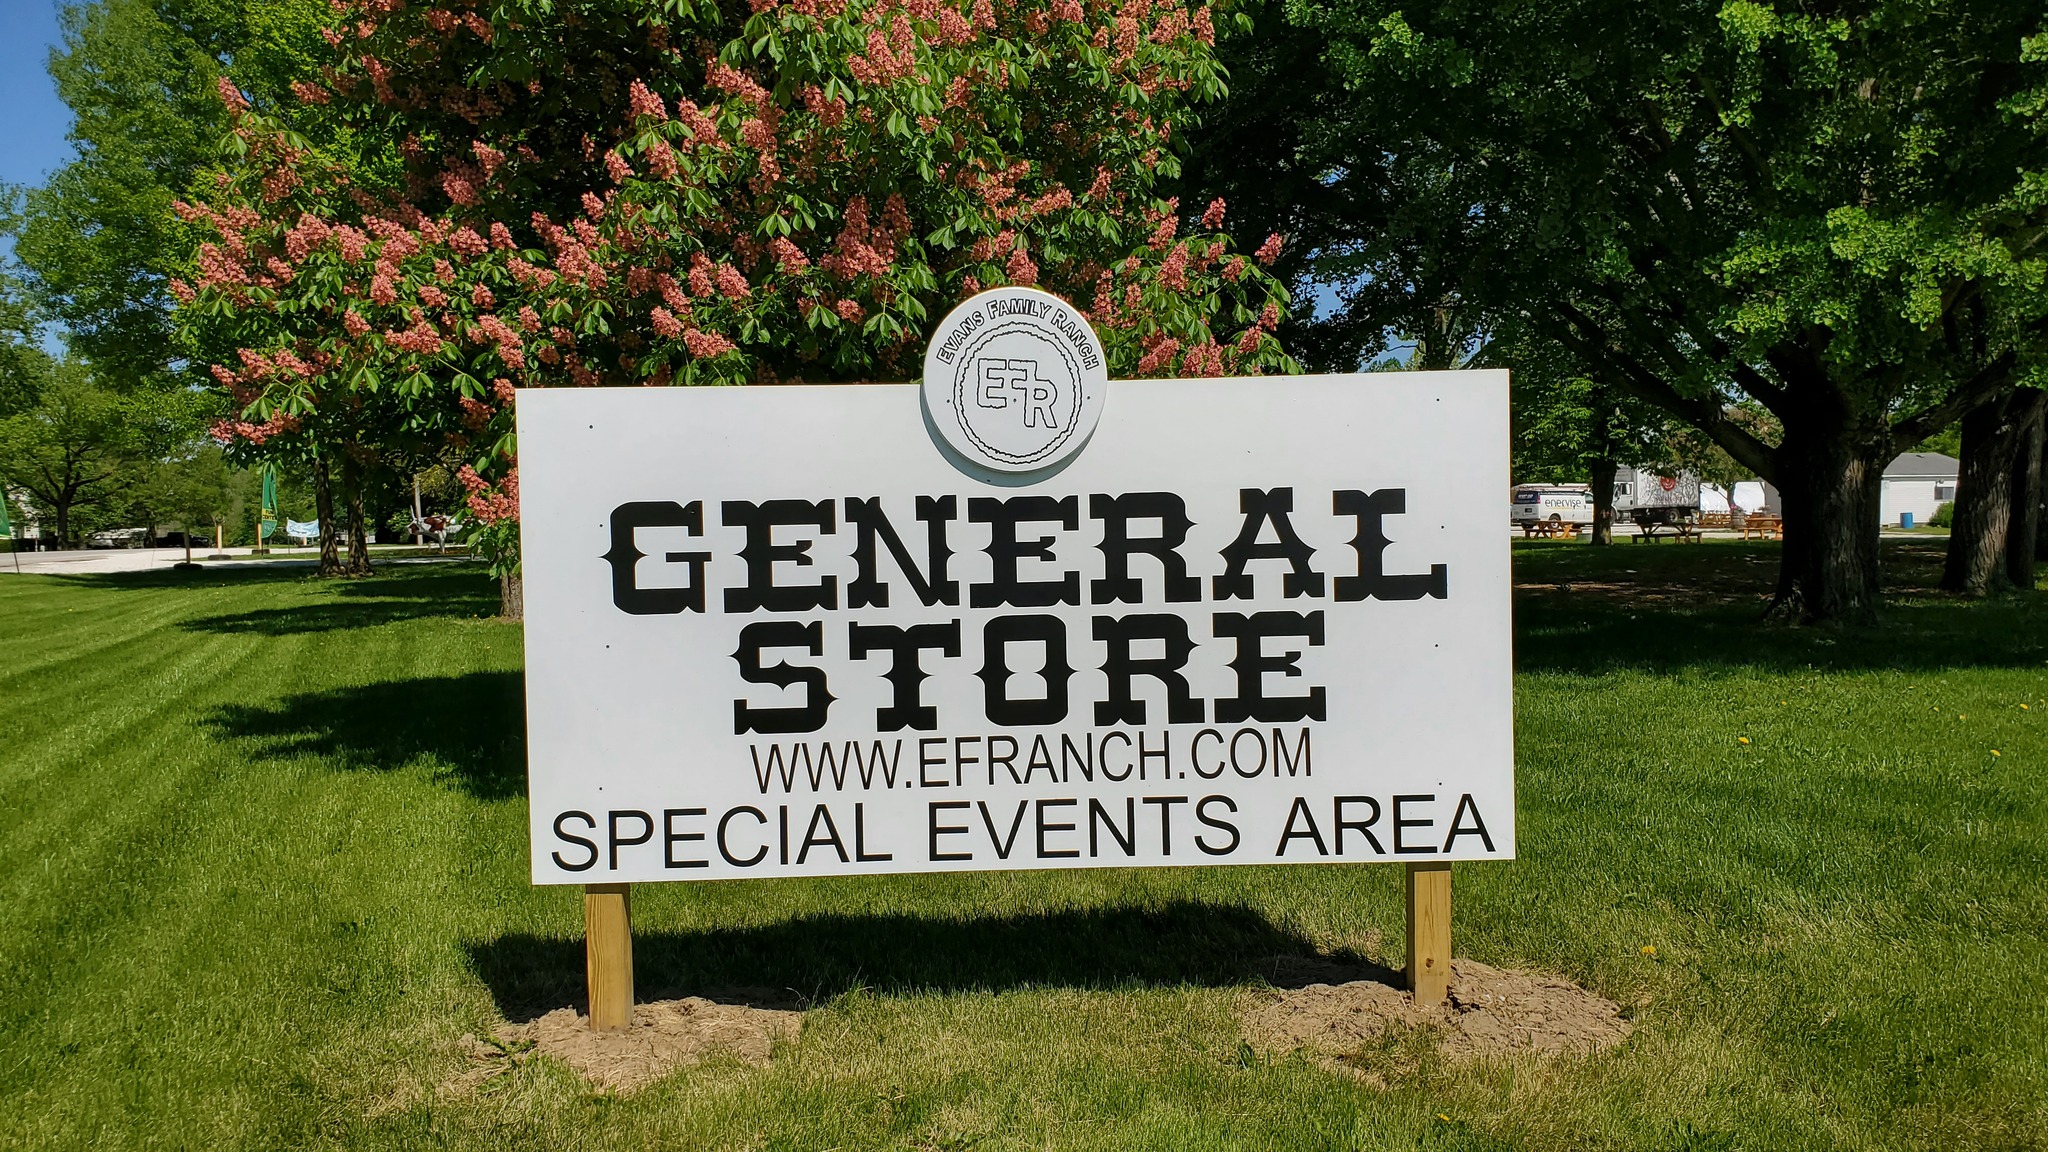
(263, 863)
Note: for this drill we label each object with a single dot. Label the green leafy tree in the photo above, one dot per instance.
(99, 240)
(24, 366)
(82, 445)
(198, 489)
(1836, 215)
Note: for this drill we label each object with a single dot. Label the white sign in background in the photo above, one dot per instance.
(1365, 717)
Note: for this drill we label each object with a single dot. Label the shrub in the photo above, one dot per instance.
(1943, 516)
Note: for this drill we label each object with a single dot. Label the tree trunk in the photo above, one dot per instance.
(512, 596)
(323, 507)
(2023, 537)
(2040, 498)
(1602, 480)
(358, 535)
(1983, 517)
(63, 512)
(1829, 485)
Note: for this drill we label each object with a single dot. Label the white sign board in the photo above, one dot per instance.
(783, 631)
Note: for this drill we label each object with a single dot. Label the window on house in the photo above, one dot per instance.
(1944, 491)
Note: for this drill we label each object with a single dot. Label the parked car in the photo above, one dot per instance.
(118, 538)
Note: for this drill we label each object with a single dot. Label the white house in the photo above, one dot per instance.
(1916, 483)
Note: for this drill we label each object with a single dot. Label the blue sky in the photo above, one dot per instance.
(32, 120)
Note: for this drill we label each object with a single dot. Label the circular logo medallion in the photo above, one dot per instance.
(1014, 380)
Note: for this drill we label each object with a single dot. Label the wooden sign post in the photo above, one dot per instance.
(1429, 931)
(608, 955)
(608, 944)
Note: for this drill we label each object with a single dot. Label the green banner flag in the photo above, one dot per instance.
(268, 521)
(6, 528)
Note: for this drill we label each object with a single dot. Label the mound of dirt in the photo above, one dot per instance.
(1328, 1010)
(665, 1035)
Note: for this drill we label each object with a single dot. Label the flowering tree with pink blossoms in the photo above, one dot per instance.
(607, 192)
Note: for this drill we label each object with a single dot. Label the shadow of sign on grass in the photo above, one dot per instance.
(472, 727)
(812, 959)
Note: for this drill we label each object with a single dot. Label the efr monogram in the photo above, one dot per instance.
(999, 381)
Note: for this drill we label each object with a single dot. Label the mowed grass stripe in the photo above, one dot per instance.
(191, 870)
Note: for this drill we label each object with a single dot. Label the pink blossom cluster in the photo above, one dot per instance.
(228, 431)
(421, 339)
(488, 505)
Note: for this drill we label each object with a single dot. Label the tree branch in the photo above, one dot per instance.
(1981, 386)
(1584, 336)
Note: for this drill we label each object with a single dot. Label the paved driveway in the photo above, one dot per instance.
(140, 559)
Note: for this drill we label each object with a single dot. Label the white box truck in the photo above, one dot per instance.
(1648, 497)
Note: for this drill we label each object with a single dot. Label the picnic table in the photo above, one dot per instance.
(1763, 527)
(1679, 523)
(1684, 531)
(1564, 529)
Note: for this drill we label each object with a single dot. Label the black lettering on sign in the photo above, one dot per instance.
(1003, 844)
(1458, 828)
(1307, 831)
(670, 838)
(1221, 825)
(725, 849)
(937, 830)
(625, 557)
(1006, 758)
(762, 553)
(1118, 546)
(570, 837)
(1362, 827)
(1371, 542)
(1126, 837)
(760, 636)
(995, 674)
(1005, 550)
(1182, 707)
(1261, 508)
(906, 675)
(618, 842)
(1165, 805)
(860, 839)
(869, 523)
(1109, 773)
(812, 838)
(1401, 821)
(1252, 664)
(1044, 852)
